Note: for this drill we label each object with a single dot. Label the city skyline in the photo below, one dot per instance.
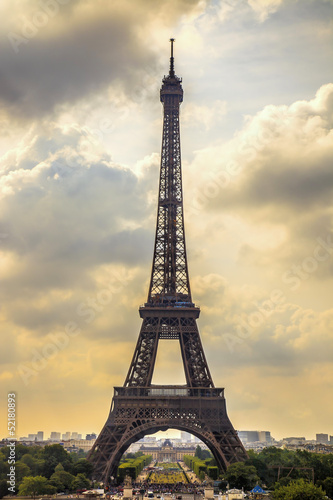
(169, 434)
(79, 156)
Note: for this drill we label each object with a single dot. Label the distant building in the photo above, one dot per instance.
(233, 494)
(294, 440)
(185, 436)
(331, 439)
(76, 435)
(254, 436)
(149, 439)
(66, 436)
(80, 444)
(265, 436)
(40, 436)
(322, 438)
(134, 447)
(167, 452)
(55, 436)
(89, 437)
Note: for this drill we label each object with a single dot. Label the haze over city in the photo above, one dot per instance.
(81, 126)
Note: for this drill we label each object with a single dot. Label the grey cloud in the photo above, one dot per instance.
(63, 220)
(284, 159)
(73, 56)
(298, 185)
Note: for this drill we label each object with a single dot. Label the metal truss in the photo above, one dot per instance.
(173, 323)
(169, 278)
(136, 413)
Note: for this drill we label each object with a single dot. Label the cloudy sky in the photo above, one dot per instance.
(80, 122)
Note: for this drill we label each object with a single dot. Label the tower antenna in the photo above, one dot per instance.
(172, 69)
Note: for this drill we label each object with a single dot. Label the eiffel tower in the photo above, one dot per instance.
(140, 408)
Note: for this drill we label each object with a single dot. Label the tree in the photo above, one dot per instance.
(240, 475)
(299, 490)
(201, 475)
(59, 468)
(36, 486)
(75, 456)
(3, 488)
(61, 479)
(53, 455)
(84, 467)
(21, 470)
(80, 482)
(202, 454)
(4, 466)
(35, 464)
(327, 486)
(20, 450)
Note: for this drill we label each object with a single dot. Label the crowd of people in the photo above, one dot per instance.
(165, 488)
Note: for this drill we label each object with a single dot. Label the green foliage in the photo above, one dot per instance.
(46, 470)
(133, 466)
(270, 457)
(3, 488)
(21, 470)
(172, 473)
(202, 454)
(213, 472)
(299, 490)
(76, 456)
(240, 475)
(35, 464)
(20, 450)
(327, 486)
(84, 467)
(4, 467)
(53, 455)
(61, 479)
(80, 482)
(36, 486)
(201, 466)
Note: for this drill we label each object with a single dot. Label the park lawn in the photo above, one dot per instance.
(167, 475)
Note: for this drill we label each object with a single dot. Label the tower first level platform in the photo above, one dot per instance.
(138, 411)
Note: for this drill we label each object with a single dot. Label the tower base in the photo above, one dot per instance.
(138, 411)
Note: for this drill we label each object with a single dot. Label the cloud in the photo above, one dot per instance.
(273, 181)
(248, 327)
(78, 50)
(281, 156)
(198, 115)
(264, 8)
(78, 230)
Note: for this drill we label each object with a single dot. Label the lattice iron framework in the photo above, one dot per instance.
(139, 408)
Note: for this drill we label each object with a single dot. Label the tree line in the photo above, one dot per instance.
(289, 474)
(282, 471)
(45, 470)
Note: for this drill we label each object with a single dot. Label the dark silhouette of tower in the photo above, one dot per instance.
(139, 408)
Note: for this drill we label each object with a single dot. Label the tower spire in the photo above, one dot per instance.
(172, 68)
(169, 279)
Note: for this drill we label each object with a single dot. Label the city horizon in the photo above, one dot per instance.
(170, 434)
